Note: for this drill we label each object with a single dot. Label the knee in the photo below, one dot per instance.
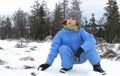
(64, 49)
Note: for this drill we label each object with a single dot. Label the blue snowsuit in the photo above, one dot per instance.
(66, 43)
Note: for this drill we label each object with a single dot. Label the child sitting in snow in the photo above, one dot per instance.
(75, 46)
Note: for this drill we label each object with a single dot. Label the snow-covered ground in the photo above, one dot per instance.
(23, 61)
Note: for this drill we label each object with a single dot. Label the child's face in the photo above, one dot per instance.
(70, 21)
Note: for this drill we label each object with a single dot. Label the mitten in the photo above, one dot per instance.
(43, 66)
(77, 54)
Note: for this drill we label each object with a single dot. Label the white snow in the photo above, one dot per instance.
(14, 61)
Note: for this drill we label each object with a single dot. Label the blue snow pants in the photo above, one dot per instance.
(67, 56)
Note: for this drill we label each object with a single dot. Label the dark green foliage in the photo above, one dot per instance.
(20, 23)
(39, 22)
(58, 19)
(113, 22)
(5, 28)
(92, 20)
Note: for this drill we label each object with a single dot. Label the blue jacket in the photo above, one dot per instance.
(71, 38)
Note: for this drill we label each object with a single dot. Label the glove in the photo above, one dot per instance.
(43, 66)
(77, 54)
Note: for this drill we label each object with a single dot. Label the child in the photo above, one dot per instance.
(75, 46)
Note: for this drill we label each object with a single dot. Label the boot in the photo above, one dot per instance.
(98, 68)
(64, 70)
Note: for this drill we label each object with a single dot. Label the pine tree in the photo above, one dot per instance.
(47, 20)
(112, 24)
(92, 20)
(5, 27)
(20, 22)
(39, 26)
(65, 8)
(34, 20)
(2, 25)
(58, 18)
(7, 30)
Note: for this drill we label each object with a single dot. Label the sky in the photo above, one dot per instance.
(8, 7)
(14, 61)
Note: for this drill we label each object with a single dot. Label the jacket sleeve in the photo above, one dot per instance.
(54, 49)
(88, 40)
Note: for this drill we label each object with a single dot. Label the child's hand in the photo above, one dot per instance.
(43, 66)
(77, 54)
